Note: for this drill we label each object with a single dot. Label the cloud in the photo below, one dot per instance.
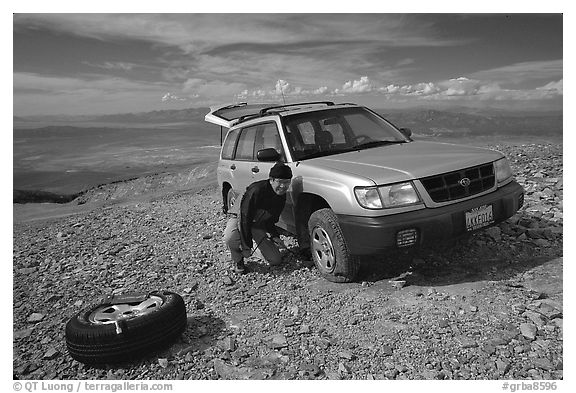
(358, 86)
(200, 32)
(171, 97)
(109, 65)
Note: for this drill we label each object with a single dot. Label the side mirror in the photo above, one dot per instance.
(268, 155)
(407, 132)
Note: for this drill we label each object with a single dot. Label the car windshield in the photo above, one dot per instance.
(333, 131)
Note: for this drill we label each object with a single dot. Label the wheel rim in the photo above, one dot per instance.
(116, 312)
(323, 250)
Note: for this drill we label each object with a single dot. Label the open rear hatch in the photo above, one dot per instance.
(228, 115)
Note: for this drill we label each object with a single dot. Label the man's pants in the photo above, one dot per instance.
(268, 249)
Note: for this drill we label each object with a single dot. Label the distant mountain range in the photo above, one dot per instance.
(156, 117)
(438, 123)
(453, 122)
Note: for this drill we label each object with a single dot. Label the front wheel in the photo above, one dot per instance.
(328, 248)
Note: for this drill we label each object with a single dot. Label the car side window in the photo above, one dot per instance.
(245, 149)
(229, 143)
(268, 137)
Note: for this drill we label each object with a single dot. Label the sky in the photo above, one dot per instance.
(94, 63)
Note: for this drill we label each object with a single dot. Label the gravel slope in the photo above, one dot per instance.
(486, 307)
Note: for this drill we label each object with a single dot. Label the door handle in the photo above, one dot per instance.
(232, 166)
(255, 169)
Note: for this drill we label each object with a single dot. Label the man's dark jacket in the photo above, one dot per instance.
(260, 208)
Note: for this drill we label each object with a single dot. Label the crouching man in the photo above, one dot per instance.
(256, 216)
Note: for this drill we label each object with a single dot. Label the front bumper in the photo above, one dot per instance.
(373, 235)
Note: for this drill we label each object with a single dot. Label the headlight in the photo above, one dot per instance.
(395, 195)
(503, 170)
(368, 197)
(399, 195)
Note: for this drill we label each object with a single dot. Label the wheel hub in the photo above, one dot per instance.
(112, 313)
(323, 250)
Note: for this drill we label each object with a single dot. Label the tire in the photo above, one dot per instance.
(126, 327)
(329, 250)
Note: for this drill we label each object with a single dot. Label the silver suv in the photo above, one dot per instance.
(361, 186)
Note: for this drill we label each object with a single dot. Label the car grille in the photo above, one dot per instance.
(450, 186)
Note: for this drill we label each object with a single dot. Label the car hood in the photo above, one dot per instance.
(406, 161)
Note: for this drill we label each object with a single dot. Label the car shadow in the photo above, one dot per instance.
(201, 333)
(497, 254)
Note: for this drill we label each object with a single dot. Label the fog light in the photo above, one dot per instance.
(406, 237)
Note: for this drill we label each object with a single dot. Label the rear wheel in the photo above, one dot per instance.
(328, 248)
(230, 198)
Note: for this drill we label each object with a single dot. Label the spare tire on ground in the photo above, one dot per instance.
(125, 327)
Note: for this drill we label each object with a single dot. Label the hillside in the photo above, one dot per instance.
(487, 307)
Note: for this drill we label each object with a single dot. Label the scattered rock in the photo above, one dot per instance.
(387, 350)
(35, 317)
(467, 342)
(163, 362)
(229, 344)
(289, 322)
(346, 355)
(536, 318)
(528, 330)
(543, 363)
(24, 333)
(343, 368)
(502, 366)
(495, 233)
(52, 353)
(304, 329)
(276, 341)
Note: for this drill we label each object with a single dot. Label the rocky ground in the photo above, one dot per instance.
(487, 307)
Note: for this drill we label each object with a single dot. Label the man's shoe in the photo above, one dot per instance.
(239, 267)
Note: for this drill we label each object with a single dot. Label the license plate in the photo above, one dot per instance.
(479, 217)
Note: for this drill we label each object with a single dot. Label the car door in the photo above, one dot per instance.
(243, 165)
(266, 137)
(226, 171)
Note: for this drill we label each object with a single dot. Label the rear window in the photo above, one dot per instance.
(245, 149)
(229, 143)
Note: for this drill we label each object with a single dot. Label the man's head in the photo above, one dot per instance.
(280, 177)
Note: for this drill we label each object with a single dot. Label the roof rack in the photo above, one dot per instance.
(247, 117)
(265, 110)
